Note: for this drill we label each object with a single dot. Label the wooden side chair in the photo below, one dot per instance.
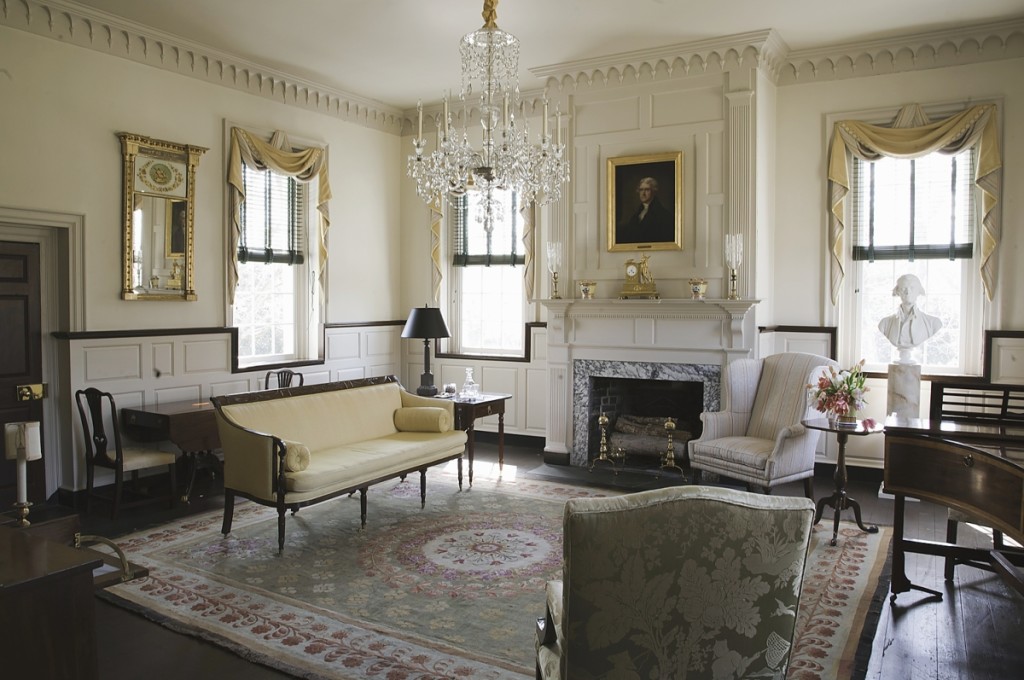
(284, 376)
(99, 414)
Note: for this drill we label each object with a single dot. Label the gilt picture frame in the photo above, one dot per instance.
(645, 202)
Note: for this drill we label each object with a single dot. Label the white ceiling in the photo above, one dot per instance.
(399, 51)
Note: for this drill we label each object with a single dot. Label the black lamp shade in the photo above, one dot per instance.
(425, 322)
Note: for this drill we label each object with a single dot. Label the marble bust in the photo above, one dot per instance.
(909, 327)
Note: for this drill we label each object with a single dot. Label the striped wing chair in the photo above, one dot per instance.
(757, 437)
(686, 582)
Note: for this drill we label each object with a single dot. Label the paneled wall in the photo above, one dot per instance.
(149, 370)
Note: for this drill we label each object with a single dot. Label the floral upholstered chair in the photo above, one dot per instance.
(684, 582)
(757, 437)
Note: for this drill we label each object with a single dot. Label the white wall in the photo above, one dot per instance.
(60, 107)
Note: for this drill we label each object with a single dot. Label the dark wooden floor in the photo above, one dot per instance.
(973, 633)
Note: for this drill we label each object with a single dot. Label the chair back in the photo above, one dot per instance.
(99, 415)
(284, 378)
(692, 577)
(782, 399)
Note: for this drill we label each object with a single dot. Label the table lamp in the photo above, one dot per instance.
(427, 323)
(22, 445)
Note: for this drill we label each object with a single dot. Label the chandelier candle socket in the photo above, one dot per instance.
(505, 159)
(840, 394)
(733, 259)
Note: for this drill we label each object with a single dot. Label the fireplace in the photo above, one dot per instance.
(673, 340)
(644, 389)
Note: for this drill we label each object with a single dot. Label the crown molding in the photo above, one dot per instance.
(937, 49)
(72, 23)
(764, 48)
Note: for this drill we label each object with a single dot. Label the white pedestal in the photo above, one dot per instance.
(904, 393)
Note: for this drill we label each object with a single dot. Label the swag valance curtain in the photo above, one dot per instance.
(304, 165)
(912, 135)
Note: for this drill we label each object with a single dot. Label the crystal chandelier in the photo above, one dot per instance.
(505, 159)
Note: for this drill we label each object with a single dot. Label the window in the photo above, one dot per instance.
(916, 216)
(273, 269)
(488, 299)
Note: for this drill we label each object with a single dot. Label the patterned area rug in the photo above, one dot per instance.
(448, 591)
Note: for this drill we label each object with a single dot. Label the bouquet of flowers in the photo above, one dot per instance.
(840, 392)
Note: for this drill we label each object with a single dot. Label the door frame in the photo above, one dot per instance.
(62, 300)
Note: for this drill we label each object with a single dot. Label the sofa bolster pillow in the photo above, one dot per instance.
(422, 419)
(296, 456)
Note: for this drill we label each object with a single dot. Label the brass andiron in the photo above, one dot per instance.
(603, 456)
(668, 460)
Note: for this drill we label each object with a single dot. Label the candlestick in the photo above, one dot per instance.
(419, 128)
(554, 262)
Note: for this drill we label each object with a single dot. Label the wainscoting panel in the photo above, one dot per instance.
(183, 393)
(536, 411)
(163, 357)
(116, 362)
(343, 345)
(228, 387)
(207, 356)
(350, 374)
(381, 343)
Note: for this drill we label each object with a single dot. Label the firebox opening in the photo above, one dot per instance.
(637, 410)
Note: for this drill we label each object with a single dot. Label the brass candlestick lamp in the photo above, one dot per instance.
(554, 263)
(733, 259)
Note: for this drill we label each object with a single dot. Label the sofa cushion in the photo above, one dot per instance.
(296, 456)
(351, 465)
(422, 419)
(743, 452)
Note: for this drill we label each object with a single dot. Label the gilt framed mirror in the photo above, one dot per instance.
(159, 180)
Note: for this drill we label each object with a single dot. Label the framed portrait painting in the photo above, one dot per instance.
(174, 234)
(645, 202)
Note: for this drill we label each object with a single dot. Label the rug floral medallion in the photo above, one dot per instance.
(448, 591)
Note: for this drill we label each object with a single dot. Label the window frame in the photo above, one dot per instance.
(310, 303)
(453, 283)
(977, 312)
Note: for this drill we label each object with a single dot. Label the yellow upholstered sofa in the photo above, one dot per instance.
(296, 446)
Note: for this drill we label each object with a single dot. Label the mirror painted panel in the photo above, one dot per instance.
(159, 188)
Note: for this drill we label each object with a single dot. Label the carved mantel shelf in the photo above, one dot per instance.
(731, 313)
(682, 308)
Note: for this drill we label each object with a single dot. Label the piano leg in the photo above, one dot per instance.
(900, 583)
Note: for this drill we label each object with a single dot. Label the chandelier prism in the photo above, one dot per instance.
(505, 159)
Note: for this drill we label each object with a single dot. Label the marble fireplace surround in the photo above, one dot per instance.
(668, 339)
(585, 370)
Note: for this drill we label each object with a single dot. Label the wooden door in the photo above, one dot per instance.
(21, 360)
